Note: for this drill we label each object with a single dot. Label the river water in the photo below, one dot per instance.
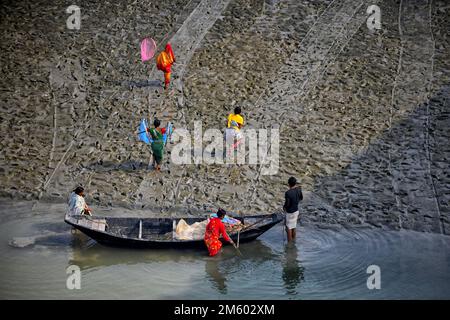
(37, 247)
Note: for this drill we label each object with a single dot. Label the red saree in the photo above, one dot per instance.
(214, 229)
(165, 59)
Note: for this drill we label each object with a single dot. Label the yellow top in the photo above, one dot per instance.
(163, 61)
(234, 120)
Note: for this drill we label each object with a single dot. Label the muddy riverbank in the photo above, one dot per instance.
(363, 115)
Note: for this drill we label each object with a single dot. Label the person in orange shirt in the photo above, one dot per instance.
(164, 62)
(214, 230)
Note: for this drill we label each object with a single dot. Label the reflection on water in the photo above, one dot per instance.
(217, 277)
(321, 264)
(87, 255)
(292, 269)
(218, 268)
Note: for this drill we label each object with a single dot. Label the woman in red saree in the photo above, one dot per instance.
(214, 230)
(164, 63)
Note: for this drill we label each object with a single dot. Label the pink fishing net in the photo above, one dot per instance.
(148, 49)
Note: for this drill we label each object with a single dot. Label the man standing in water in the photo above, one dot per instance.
(292, 198)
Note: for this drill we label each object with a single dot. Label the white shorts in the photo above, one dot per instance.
(291, 220)
(231, 135)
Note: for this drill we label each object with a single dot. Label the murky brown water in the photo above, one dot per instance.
(322, 264)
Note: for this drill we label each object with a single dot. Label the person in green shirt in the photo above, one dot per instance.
(157, 145)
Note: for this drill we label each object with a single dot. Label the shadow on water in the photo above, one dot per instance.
(323, 263)
(293, 271)
(96, 255)
(217, 269)
(228, 263)
(215, 275)
(57, 227)
(48, 234)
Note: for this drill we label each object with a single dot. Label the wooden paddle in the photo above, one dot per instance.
(237, 249)
(239, 231)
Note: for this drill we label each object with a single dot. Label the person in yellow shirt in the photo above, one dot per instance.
(235, 122)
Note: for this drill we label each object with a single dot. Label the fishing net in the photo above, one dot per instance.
(148, 49)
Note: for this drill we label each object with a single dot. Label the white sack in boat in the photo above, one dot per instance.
(196, 231)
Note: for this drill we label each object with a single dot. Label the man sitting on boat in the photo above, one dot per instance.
(77, 204)
(214, 230)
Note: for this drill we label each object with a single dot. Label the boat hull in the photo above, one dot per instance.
(110, 239)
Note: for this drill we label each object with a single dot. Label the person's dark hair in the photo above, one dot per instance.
(78, 190)
(292, 181)
(221, 213)
(156, 123)
(237, 110)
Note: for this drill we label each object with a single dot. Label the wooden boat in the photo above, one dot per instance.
(159, 232)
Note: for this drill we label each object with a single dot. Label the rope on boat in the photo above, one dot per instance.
(251, 225)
